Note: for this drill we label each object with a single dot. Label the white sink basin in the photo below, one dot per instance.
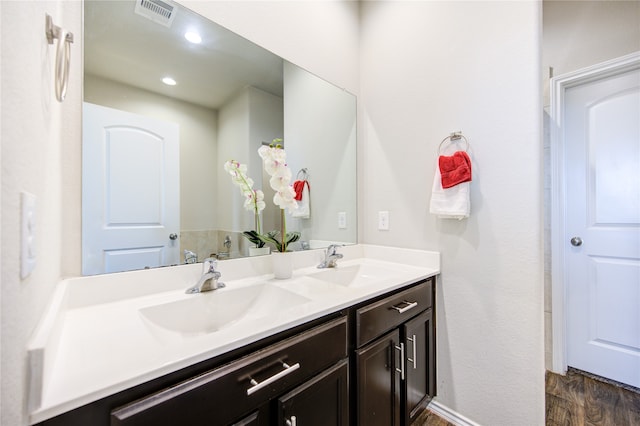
(213, 311)
(357, 275)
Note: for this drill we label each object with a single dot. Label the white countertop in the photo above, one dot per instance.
(93, 341)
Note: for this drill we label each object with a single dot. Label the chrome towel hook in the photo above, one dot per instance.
(63, 55)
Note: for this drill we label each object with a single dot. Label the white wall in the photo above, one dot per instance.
(582, 33)
(328, 151)
(427, 69)
(266, 123)
(232, 145)
(198, 143)
(41, 155)
(318, 35)
(245, 121)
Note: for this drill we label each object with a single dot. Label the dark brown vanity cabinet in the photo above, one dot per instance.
(369, 364)
(395, 357)
(249, 390)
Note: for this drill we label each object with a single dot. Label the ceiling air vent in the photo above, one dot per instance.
(158, 11)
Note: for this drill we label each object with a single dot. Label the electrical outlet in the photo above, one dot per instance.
(383, 221)
(28, 234)
(342, 220)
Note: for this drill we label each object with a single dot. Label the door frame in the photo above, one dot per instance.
(559, 278)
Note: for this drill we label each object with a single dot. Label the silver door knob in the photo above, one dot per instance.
(173, 236)
(576, 241)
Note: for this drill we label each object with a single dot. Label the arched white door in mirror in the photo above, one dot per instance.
(598, 239)
(131, 209)
(230, 96)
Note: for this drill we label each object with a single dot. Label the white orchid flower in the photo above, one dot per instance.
(252, 202)
(274, 160)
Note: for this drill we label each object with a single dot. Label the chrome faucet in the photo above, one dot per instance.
(227, 245)
(209, 279)
(190, 257)
(331, 256)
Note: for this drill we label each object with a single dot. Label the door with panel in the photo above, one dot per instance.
(130, 191)
(602, 255)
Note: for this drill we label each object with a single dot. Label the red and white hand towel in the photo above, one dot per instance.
(302, 189)
(450, 194)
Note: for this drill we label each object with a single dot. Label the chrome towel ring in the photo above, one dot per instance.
(303, 174)
(63, 55)
(454, 137)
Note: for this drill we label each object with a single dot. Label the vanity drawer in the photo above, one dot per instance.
(377, 318)
(225, 394)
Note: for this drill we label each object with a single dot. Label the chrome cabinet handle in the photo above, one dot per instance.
(576, 241)
(410, 305)
(292, 421)
(414, 342)
(401, 369)
(288, 369)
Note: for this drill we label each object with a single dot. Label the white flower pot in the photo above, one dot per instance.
(282, 265)
(259, 251)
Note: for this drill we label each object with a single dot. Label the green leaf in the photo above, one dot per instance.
(272, 238)
(254, 237)
(292, 237)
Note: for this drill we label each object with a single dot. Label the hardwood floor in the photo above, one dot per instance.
(581, 399)
(428, 418)
(577, 399)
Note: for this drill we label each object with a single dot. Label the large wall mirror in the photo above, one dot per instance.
(153, 153)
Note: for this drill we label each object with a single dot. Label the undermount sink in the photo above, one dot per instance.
(357, 275)
(213, 311)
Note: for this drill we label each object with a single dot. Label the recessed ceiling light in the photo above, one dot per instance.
(169, 81)
(193, 37)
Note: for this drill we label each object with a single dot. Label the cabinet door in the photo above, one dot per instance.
(378, 382)
(419, 363)
(321, 401)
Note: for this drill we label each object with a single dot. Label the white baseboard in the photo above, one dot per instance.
(450, 415)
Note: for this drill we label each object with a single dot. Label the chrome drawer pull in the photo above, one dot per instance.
(410, 305)
(288, 369)
(414, 342)
(292, 421)
(401, 369)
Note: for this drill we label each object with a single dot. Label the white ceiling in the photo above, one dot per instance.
(123, 46)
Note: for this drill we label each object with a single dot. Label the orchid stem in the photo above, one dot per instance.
(283, 230)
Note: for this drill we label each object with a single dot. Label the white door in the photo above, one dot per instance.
(130, 191)
(602, 231)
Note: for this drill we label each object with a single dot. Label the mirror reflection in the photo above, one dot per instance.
(154, 188)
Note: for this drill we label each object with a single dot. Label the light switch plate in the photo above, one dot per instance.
(342, 220)
(28, 234)
(383, 221)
